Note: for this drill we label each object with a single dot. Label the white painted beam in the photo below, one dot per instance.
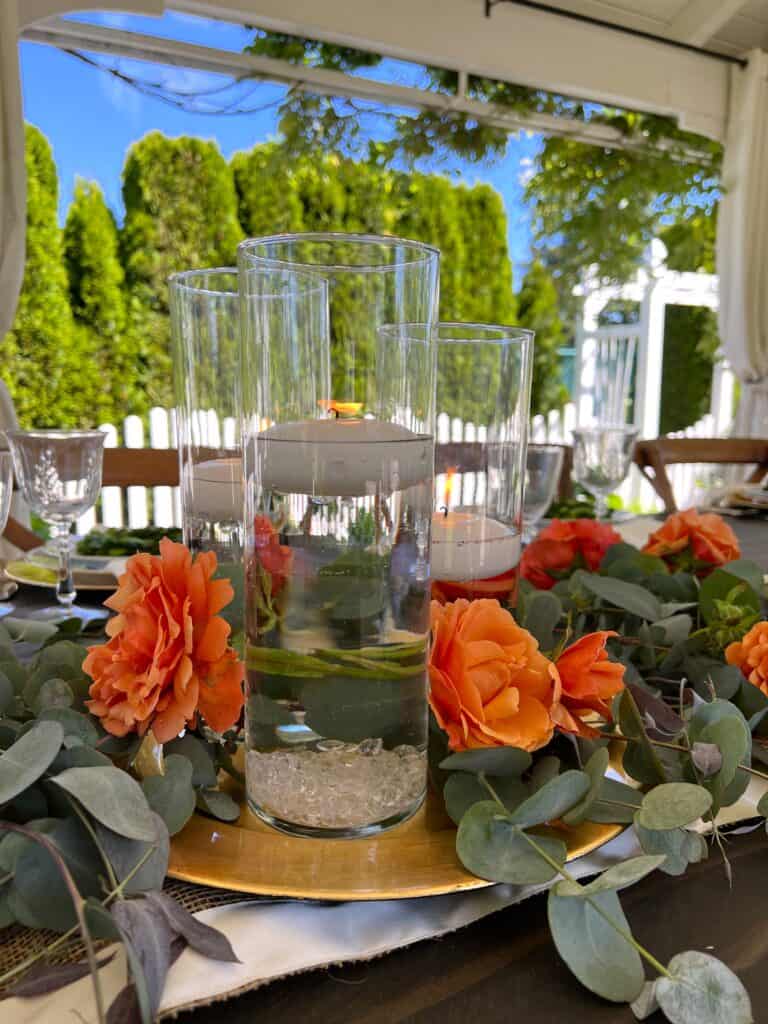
(516, 44)
(700, 20)
(137, 46)
(31, 11)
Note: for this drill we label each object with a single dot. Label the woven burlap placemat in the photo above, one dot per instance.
(18, 943)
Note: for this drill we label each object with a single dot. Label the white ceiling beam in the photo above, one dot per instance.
(31, 11)
(74, 35)
(516, 44)
(699, 20)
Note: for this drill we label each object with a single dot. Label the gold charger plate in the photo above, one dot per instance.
(417, 858)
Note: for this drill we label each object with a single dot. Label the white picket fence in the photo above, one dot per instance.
(160, 506)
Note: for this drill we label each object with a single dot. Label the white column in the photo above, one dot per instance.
(650, 359)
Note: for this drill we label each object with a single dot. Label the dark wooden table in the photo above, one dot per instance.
(505, 968)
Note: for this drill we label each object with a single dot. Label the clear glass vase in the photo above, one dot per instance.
(205, 332)
(483, 404)
(338, 411)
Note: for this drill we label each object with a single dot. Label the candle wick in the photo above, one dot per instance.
(444, 510)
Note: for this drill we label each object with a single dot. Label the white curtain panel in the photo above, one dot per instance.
(13, 187)
(742, 244)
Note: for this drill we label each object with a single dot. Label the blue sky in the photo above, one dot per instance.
(91, 119)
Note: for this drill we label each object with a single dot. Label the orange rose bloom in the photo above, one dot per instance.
(687, 536)
(565, 545)
(750, 654)
(589, 680)
(275, 558)
(168, 655)
(490, 685)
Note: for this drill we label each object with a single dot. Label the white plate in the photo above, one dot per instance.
(84, 580)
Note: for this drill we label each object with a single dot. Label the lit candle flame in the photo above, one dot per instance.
(340, 408)
(450, 473)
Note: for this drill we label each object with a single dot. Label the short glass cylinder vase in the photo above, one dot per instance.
(483, 406)
(205, 332)
(339, 463)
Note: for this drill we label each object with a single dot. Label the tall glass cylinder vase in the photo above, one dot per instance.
(483, 404)
(339, 460)
(205, 330)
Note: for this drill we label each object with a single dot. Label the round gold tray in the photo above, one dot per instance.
(417, 858)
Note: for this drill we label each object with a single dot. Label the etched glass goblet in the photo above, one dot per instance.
(601, 460)
(59, 473)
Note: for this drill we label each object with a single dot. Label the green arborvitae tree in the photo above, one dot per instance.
(37, 360)
(180, 214)
(115, 378)
(487, 273)
(268, 200)
(538, 310)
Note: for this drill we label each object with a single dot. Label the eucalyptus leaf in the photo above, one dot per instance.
(679, 846)
(673, 805)
(42, 979)
(12, 844)
(640, 760)
(707, 758)
(646, 1003)
(7, 692)
(599, 957)
(544, 770)
(124, 854)
(462, 790)
(675, 627)
(112, 797)
(553, 799)
(595, 768)
(543, 611)
(762, 805)
(616, 804)
(501, 761)
(219, 804)
(39, 897)
(74, 723)
(618, 877)
(732, 739)
(171, 795)
(28, 759)
(702, 990)
(203, 768)
(54, 693)
(629, 596)
(80, 757)
(490, 846)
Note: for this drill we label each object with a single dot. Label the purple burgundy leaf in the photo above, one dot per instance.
(124, 1008)
(707, 758)
(44, 978)
(200, 937)
(666, 722)
(146, 928)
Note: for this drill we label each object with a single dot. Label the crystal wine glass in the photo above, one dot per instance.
(6, 494)
(544, 463)
(59, 473)
(602, 456)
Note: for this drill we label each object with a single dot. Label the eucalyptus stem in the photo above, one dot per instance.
(79, 906)
(676, 746)
(564, 873)
(70, 934)
(627, 936)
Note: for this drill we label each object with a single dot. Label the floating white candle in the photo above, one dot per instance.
(217, 490)
(343, 457)
(467, 546)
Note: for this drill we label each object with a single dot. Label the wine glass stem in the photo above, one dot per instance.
(601, 505)
(65, 587)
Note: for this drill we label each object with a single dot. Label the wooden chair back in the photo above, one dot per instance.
(123, 467)
(469, 455)
(653, 457)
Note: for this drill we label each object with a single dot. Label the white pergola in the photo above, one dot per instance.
(703, 62)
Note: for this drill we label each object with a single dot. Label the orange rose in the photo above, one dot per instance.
(750, 654)
(687, 539)
(275, 558)
(168, 655)
(589, 681)
(490, 686)
(562, 547)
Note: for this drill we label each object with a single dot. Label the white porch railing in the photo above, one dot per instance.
(160, 506)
